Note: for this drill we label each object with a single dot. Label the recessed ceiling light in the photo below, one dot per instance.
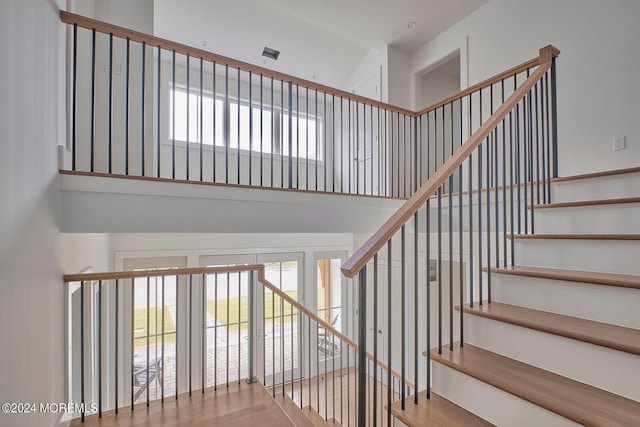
(412, 24)
(204, 42)
(270, 53)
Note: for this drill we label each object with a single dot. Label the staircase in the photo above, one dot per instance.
(559, 344)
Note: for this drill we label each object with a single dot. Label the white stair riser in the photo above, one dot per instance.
(608, 304)
(612, 187)
(607, 256)
(601, 367)
(620, 218)
(492, 404)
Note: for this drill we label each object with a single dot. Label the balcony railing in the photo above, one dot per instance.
(139, 336)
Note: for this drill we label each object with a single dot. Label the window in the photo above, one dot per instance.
(185, 117)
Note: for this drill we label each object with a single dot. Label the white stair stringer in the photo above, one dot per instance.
(493, 404)
(606, 256)
(611, 370)
(614, 218)
(607, 304)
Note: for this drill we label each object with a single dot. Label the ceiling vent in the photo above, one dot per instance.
(270, 53)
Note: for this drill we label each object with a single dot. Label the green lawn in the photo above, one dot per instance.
(239, 308)
(140, 326)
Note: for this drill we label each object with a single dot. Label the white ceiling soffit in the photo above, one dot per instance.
(318, 40)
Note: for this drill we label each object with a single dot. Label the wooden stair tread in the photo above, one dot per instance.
(315, 418)
(597, 174)
(584, 203)
(596, 278)
(292, 410)
(577, 236)
(603, 334)
(577, 401)
(436, 411)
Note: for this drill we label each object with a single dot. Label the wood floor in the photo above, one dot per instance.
(239, 405)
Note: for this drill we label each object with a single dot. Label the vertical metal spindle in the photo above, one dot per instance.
(74, 97)
(415, 305)
(349, 151)
(554, 118)
(82, 352)
(99, 316)
(504, 183)
(480, 281)
(215, 332)
(177, 296)
(131, 355)
(273, 136)
(341, 145)
(142, 115)
(201, 136)
(190, 340)
(450, 226)
(428, 294)
(362, 345)
(173, 115)
(213, 123)
(517, 157)
(548, 134)
(227, 331)
(238, 147)
(290, 127)
(158, 116)
(251, 327)
(250, 126)
(460, 240)
(375, 337)
(307, 142)
(403, 316)
(203, 362)
(297, 136)
(239, 326)
(537, 128)
(225, 123)
(261, 132)
(371, 140)
(93, 98)
(389, 334)
(162, 358)
(148, 336)
(116, 345)
(470, 178)
(110, 112)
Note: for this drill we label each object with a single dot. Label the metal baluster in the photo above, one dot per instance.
(227, 331)
(281, 136)
(110, 112)
(415, 304)
(82, 353)
(548, 145)
(341, 145)
(213, 143)
(238, 147)
(116, 348)
(162, 370)
(239, 324)
(403, 297)
(471, 284)
(290, 142)
(201, 138)
(93, 98)
(203, 369)
(131, 365)
(261, 132)
(177, 335)
(147, 340)
(375, 336)
(480, 281)
(158, 109)
(226, 117)
(389, 330)
(460, 240)
(250, 125)
(173, 114)
(489, 144)
(349, 152)
(450, 235)
(504, 183)
(99, 316)
(215, 332)
(144, 87)
(74, 96)
(517, 159)
(187, 148)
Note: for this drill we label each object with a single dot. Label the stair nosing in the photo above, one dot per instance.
(543, 395)
(577, 334)
(588, 203)
(578, 276)
(574, 236)
(615, 172)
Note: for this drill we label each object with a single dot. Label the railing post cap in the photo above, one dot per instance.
(547, 53)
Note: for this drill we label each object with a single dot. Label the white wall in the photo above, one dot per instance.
(597, 69)
(31, 288)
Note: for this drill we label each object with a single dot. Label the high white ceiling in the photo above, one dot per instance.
(374, 23)
(322, 40)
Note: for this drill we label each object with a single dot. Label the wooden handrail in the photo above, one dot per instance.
(149, 40)
(371, 247)
(259, 268)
